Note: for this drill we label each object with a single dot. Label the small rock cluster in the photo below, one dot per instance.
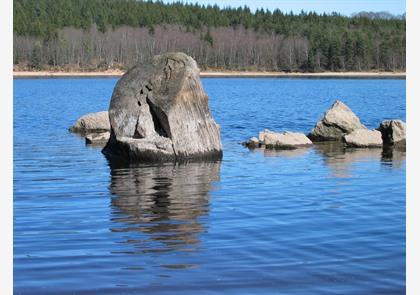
(159, 112)
(95, 127)
(339, 123)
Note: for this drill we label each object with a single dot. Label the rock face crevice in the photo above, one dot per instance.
(159, 112)
(160, 120)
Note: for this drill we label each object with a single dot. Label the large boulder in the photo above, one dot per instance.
(337, 121)
(393, 132)
(363, 138)
(92, 123)
(159, 112)
(283, 140)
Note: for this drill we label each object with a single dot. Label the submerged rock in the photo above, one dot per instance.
(338, 121)
(393, 132)
(97, 138)
(159, 112)
(363, 138)
(92, 123)
(283, 140)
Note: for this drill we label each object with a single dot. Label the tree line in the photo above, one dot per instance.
(103, 34)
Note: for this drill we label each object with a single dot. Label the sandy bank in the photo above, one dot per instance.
(28, 74)
(118, 73)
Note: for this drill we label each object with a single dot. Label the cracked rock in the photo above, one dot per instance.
(159, 112)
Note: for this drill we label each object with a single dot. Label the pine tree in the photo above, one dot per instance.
(208, 38)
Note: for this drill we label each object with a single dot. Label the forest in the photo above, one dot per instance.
(96, 35)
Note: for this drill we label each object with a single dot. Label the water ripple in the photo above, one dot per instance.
(322, 220)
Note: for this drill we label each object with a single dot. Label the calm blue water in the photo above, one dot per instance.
(314, 221)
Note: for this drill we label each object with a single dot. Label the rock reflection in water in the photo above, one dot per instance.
(287, 153)
(294, 153)
(162, 203)
(339, 158)
(394, 156)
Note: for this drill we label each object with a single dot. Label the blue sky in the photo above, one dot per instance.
(346, 7)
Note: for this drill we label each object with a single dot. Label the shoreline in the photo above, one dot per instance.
(215, 74)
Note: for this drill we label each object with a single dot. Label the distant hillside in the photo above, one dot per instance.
(102, 34)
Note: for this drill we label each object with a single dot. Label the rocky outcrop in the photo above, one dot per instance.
(281, 140)
(159, 112)
(363, 138)
(92, 123)
(338, 121)
(393, 132)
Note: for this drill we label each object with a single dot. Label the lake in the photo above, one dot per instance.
(321, 220)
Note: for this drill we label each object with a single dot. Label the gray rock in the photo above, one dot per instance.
(91, 123)
(393, 132)
(97, 138)
(152, 149)
(363, 138)
(337, 121)
(159, 112)
(283, 140)
(253, 142)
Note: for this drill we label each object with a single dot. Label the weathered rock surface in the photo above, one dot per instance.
(393, 132)
(97, 138)
(337, 121)
(363, 138)
(159, 112)
(92, 122)
(283, 140)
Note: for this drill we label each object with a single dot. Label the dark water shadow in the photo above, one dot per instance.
(159, 208)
